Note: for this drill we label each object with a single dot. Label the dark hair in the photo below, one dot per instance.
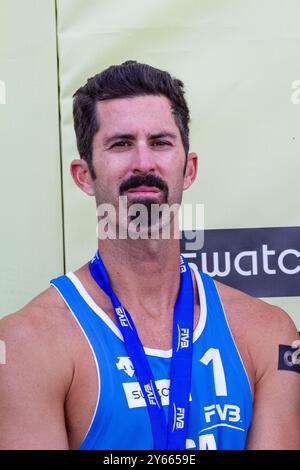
(119, 81)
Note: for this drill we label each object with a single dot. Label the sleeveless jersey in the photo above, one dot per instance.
(220, 398)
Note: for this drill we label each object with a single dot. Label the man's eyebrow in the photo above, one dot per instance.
(162, 135)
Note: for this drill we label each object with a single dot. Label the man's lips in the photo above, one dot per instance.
(144, 190)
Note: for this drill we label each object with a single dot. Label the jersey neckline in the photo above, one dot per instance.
(114, 328)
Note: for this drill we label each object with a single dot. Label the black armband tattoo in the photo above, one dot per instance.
(289, 357)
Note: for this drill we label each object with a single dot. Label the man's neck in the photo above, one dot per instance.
(143, 273)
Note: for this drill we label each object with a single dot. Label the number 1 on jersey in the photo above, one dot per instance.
(213, 355)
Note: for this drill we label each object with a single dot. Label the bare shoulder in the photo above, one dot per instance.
(257, 327)
(259, 317)
(38, 331)
(43, 312)
(37, 374)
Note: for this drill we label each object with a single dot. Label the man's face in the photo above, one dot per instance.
(138, 152)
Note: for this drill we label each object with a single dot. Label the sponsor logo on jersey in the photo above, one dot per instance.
(124, 363)
(222, 412)
(135, 397)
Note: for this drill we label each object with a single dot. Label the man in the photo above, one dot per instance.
(94, 361)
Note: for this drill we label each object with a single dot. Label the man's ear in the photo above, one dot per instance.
(191, 170)
(81, 175)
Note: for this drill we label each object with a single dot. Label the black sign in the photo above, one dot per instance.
(263, 262)
(289, 358)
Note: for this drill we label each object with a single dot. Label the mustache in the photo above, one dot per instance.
(144, 180)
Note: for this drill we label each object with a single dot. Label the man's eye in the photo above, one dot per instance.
(121, 143)
(160, 143)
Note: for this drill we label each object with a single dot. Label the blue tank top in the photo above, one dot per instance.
(220, 398)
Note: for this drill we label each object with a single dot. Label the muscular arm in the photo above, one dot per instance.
(276, 416)
(33, 385)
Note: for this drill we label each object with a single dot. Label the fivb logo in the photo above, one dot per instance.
(122, 317)
(179, 418)
(183, 337)
(230, 412)
(182, 266)
(2, 352)
(2, 92)
(135, 396)
(151, 394)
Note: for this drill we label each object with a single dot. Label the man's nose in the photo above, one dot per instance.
(143, 160)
